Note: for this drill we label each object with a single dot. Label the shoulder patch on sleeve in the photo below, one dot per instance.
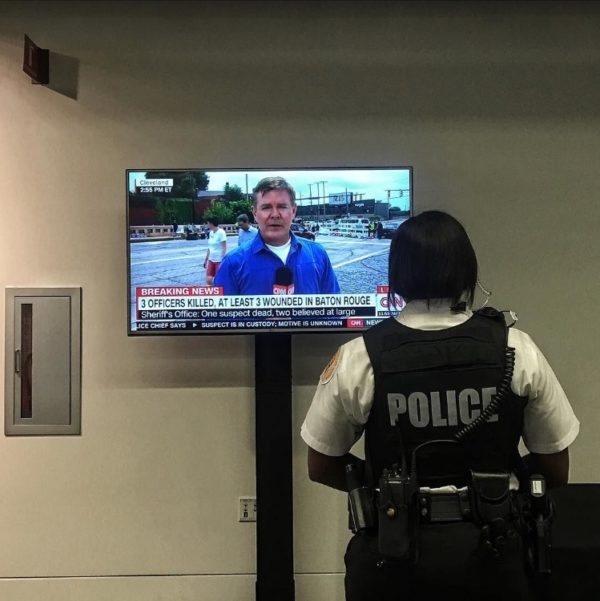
(331, 367)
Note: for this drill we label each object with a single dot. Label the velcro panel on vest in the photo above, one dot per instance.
(452, 353)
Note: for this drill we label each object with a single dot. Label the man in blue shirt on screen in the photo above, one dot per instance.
(276, 261)
(246, 232)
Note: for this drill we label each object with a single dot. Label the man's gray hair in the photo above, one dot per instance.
(268, 184)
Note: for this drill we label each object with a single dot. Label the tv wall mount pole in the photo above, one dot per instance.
(275, 523)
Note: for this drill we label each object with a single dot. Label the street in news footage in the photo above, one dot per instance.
(360, 264)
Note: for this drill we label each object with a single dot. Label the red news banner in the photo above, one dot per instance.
(202, 307)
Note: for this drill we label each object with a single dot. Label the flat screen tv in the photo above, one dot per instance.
(328, 274)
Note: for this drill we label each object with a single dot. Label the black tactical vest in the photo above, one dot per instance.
(430, 384)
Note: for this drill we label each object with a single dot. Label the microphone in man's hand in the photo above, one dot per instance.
(284, 281)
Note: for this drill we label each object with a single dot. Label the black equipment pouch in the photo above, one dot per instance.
(398, 520)
(490, 497)
(444, 506)
(494, 511)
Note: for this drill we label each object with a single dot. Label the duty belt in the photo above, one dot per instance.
(487, 497)
(402, 506)
(398, 506)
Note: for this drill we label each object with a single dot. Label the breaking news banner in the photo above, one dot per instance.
(205, 307)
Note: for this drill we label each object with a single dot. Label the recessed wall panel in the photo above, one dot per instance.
(43, 361)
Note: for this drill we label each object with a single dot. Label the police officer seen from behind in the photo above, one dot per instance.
(439, 518)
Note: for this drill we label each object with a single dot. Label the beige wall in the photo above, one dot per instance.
(495, 105)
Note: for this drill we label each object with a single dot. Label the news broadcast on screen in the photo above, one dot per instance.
(252, 250)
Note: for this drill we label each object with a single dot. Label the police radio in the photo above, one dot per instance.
(397, 506)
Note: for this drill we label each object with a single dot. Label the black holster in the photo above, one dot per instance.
(539, 515)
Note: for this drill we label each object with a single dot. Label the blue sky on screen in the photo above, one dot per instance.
(371, 183)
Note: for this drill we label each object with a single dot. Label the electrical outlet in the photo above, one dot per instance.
(247, 510)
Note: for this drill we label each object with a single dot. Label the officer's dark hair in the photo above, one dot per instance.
(268, 184)
(213, 220)
(431, 257)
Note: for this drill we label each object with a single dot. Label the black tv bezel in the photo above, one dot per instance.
(245, 332)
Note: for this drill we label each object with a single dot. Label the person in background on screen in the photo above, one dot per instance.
(276, 261)
(399, 384)
(217, 247)
(247, 232)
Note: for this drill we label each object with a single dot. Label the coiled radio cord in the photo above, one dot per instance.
(501, 392)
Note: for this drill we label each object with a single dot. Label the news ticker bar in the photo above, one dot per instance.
(270, 324)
